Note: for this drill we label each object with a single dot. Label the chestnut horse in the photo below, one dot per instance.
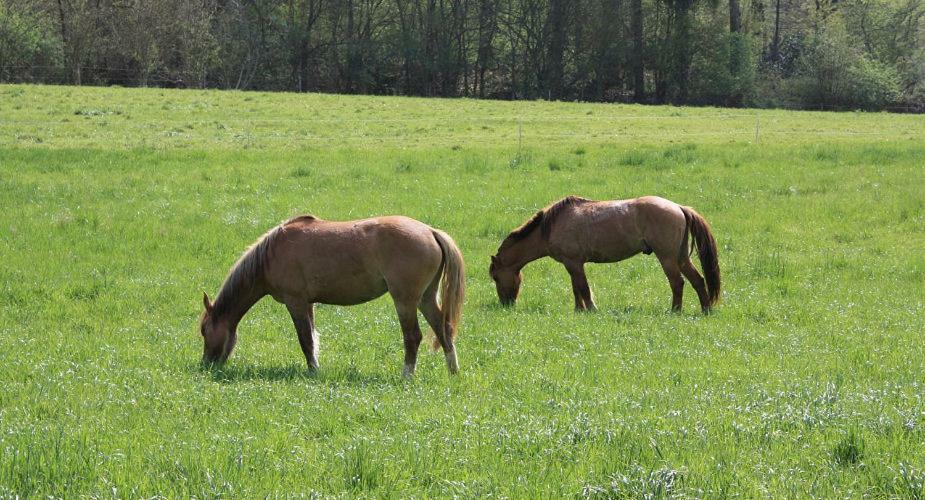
(576, 230)
(306, 260)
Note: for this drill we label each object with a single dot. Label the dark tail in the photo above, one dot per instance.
(706, 249)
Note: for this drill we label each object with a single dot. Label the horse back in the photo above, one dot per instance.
(347, 262)
(610, 231)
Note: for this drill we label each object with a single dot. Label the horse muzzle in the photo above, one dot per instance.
(507, 302)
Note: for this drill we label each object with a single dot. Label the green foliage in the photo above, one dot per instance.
(26, 40)
(850, 54)
(874, 85)
(725, 68)
(916, 79)
(835, 74)
(134, 201)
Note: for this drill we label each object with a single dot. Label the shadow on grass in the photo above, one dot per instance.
(522, 306)
(348, 375)
(494, 305)
(619, 312)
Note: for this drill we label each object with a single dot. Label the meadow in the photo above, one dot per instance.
(121, 206)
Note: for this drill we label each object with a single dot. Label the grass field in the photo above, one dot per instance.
(119, 207)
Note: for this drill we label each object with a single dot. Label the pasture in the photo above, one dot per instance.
(120, 206)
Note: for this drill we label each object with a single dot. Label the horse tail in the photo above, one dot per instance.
(706, 248)
(452, 286)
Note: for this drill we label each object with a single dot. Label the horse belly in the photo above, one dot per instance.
(352, 296)
(614, 252)
(599, 246)
(325, 274)
(346, 288)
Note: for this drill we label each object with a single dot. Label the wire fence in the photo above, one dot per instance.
(510, 139)
(115, 124)
(56, 75)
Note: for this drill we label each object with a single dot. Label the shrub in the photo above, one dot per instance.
(874, 85)
(833, 73)
(25, 43)
(723, 70)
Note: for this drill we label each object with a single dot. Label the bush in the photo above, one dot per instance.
(26, 45)
(833, 73)
(914, 96)
(723, 71)
(874, 85)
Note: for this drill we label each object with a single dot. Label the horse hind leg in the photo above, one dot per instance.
(407, 288)
(434, 316)
(673, 273)
(411, 331)
(690, 272)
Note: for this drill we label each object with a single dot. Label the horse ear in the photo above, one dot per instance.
(206, 303)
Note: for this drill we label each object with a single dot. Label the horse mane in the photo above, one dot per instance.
(250, 267)
(543, 219)
(300, 218)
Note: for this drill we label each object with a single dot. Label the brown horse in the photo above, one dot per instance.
(575, 230)
(306, 260)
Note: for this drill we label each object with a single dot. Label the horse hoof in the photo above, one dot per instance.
(451, 362)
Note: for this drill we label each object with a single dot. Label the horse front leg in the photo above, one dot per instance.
(583, 299)
(303, 317)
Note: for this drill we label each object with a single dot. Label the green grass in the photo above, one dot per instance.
(121, 206)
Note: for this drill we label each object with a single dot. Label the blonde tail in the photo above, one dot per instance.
(452, 286)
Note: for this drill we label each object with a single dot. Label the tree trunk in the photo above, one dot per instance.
(70, 60)
(735, 17)
(351, 49)
(556, 24)
(487, 26)
(775, 43)
(639, 82)
(736, 53)
(682, 49)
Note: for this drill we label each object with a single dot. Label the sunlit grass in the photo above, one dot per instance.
(121, 206)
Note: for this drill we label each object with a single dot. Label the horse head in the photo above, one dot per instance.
(507, 281)
(217, 335)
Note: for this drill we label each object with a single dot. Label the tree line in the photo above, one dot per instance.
(841, 54)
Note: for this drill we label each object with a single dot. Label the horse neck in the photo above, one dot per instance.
(235, 306)
(524, 251)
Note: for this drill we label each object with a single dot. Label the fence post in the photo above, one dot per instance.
(520, 135)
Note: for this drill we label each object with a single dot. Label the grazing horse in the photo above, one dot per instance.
(576, 230)
(306, 260)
